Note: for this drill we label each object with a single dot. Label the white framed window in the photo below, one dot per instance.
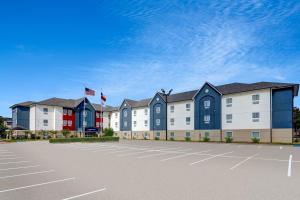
(84, 113)
(157, 110)
(187, 120)
(134, 123)
(157, 121)
(206, 119)
(146, 111)
(97, 114)
(70, 112)
(65, 122)
(116, 124)
(172, 120)
(134, 113)
(255, 99)
(172, 108)
(255, 117)
(84, 123)
(45, 122)
(229, 118)
(206, 134)
(207, 104)
(255, 134)
(116, 115)
(229, 102)
(172, 135)
(157, 134)
(69, 122)
(146, 122)
(45, 111)
(188, 107)
(188, 134)
(125, 123)
(97, 124)
(125, 113)
(228, 134)
(65, 111)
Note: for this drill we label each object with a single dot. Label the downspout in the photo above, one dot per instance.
(166, 117)
(221, 120)
(271, 115)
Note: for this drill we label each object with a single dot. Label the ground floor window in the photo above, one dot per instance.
(188, 134)
(206, 134)
(157, 134)
(229, 134)
(255, 134)
(172, 134)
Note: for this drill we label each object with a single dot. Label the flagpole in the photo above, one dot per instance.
(83, 121)
(101, 127)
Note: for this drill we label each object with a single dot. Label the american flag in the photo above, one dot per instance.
(89, 92)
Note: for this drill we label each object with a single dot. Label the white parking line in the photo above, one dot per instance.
(289, 173)
(39, 184)
(14, 162)
(205, 159)
(19, 167)
(27, 174)
(280, 147)
(13, 158)
(154, 155)
(88, 193)
(184, 155)
(243, 161)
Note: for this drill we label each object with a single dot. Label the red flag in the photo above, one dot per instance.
(103, 98)
(89, 92)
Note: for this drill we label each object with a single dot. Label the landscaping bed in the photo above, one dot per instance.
(87, 139)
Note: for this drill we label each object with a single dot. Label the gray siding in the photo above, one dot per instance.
(157, 102)
(20, 116)
(125, 118)
(90, 118)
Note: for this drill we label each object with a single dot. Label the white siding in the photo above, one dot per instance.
(179, 115)
(242, 109)
(140, 119)
(106, 120)
(115, 118)
(32, 118)
(58, 121)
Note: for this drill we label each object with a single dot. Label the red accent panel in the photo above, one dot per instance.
(67, 117)
(98, 119)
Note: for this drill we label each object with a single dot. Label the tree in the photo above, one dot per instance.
(2, 127)
(296, 119)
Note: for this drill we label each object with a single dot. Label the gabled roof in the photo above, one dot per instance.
(24, 104)
(137, 104)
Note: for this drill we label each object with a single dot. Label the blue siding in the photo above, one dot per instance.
(125, 108)
(157, 102)
(90, 118)
(214, 111)
(20, 117)
(282, 108)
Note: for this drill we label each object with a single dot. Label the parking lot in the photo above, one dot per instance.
(134, 170)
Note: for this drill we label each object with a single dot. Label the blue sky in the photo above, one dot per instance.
(133, 48)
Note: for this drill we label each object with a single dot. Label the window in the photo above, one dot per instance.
(206, 119)
(65, 122)
(207, 104)
(206, 134)
(187, 107)
(97, 124)
(255, 99)
(229, 118)
(45, 122)
(116, 124)
(157, 109)
(188, 134)
(97, 114)
(125, 123)
(255, 134)
(134, 123)
(69, 122)
(84, 113)
(146, 122)
(172, 135)
(255, 117)
(228, 134)
(229, 102)
(84, 123)
(157, 134)
(134, 113)
(65, 111)
(157, 122)
(172, 120)
(125, 113)
(172, 109)
(45, 110)
(146, 111)
(116, 115)
(70, 112)
(187, 120)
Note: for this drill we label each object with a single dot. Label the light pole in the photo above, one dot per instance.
(166, 95)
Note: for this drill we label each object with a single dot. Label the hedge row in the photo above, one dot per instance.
(87, 139)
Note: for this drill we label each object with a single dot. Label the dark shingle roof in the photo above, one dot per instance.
(24, 104)
(67, 103)
(139, 103)
(106, 108)
(182, 96)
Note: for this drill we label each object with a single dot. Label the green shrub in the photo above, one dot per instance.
(296, 140)
(108, 132)
(65, 133)
(156, 138)
(89, 139)
(206, 139)
(255, 140)
(228, 139)
(187, 139)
